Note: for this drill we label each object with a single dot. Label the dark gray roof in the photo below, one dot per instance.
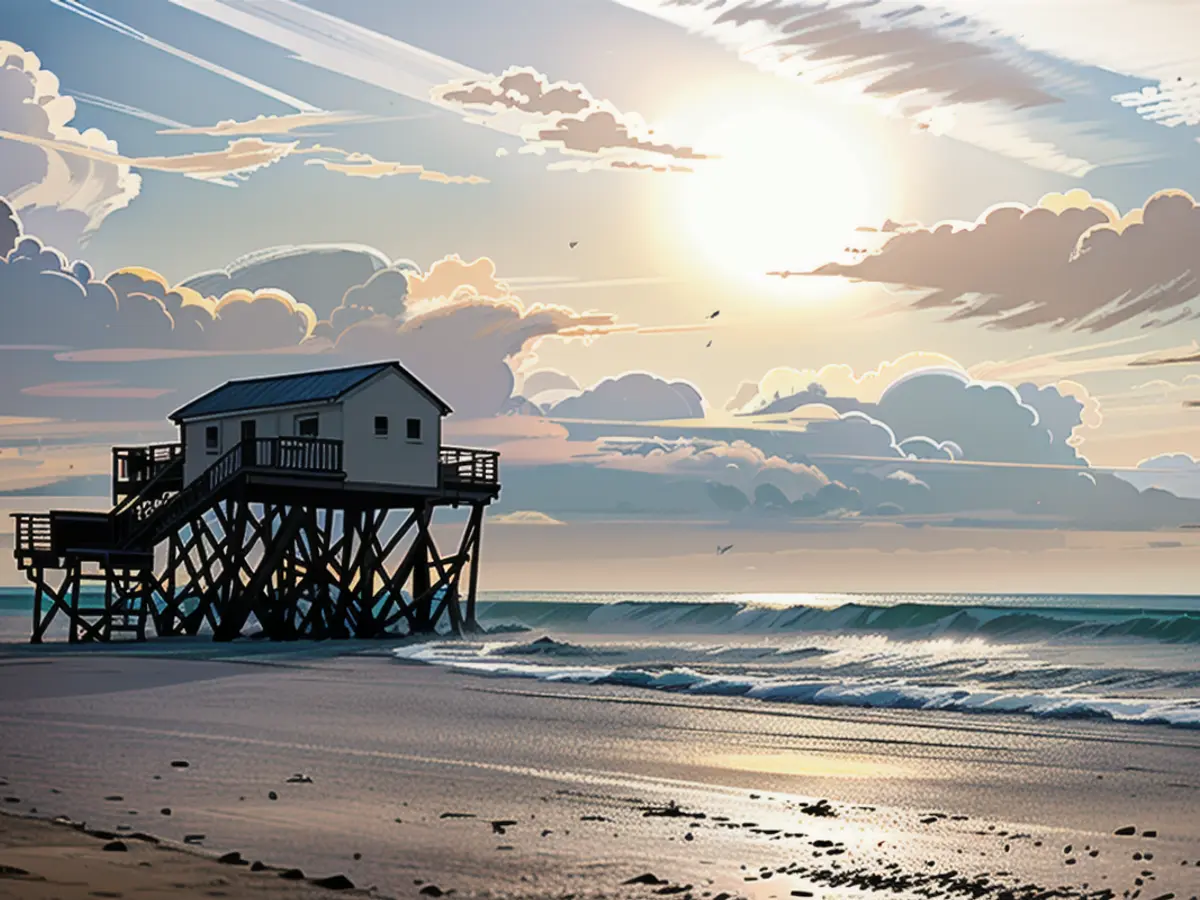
(289, 390)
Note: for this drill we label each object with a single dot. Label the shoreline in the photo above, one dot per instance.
(499, 788)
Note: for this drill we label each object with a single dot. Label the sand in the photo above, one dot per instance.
(419, 779)
(43, 860)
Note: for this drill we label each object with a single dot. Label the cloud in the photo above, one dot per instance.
(451, 274)
(364, 165)
(1070, 262)
(634, 396)
(94, 390)
(565, 116)
(125, 30)
(10, 228)
(1178, 473)
(239, 158)
(737, 464)
(599, 130)
(942, 65)
(520, 88)
(62, 194)
(989, 422)
(328, 42)
(316, 274)
(780, 385)
(46, 300)
(464, 344)
(259, 125)
(465, 347)
(524, 517)
(1171, 103)
(644, 167)
(536, 383)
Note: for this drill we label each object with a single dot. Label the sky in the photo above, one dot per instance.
(890, 297)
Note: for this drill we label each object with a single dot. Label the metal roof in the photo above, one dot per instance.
(289, 390)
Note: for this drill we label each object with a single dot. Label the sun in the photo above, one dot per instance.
(786, 193)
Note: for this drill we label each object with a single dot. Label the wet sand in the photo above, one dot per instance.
(418, 781)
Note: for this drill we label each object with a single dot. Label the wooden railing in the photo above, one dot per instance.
(33, 533)
(314, 456)
(135, 467)
(467, 467)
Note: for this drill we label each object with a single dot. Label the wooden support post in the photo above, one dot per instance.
(35, 636)
(73, 575)
(471, 625)
(422, 599)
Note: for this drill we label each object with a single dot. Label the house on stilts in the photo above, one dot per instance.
(292, 506)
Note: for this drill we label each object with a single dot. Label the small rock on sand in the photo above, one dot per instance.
(193, 838)
(647, 878)
(357, 856)
(258, 866)
(334, 882)
(114, 798)
(233, 858)
(292, 875)
(1126, 831)
(115, 847)
(432, 890)
(299, 778)
(166, 810)
(179, 764)
(271, 795)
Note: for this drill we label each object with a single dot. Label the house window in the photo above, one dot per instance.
(212, 438)
(306, 426)
(381, 426)
(413, 431)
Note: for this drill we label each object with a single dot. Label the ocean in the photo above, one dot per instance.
(1132, 659)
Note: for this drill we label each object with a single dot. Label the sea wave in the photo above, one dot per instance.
(901, 621)
(943, 677)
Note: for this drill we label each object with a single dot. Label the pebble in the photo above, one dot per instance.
(292, 875)
(115, 847)
(271, 795)
(233, 858)
(179, 764)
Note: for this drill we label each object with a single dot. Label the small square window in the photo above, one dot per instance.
(413, 431)
(306, 426)
(381, 426)
(212, 439)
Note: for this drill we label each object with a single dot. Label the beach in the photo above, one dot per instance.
(417, 780)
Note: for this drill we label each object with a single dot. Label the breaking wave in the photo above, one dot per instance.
(1113, 660)
(902, 620)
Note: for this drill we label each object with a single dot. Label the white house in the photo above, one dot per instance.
(388, 422)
